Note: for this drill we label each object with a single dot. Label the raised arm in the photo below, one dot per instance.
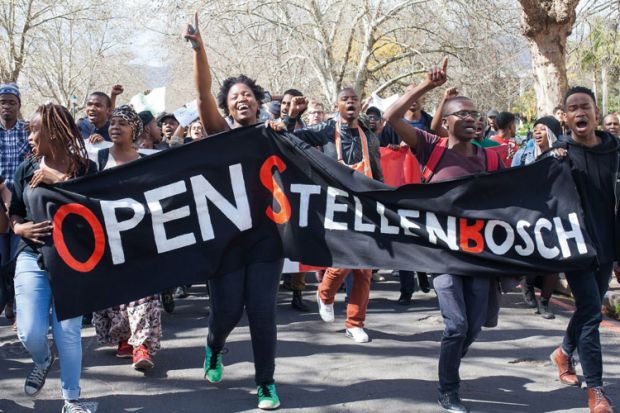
(394, 115)
(207, 106)
(436, 123)
(116, 90)
(315, 135)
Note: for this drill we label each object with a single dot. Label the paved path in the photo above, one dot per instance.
(319, 369)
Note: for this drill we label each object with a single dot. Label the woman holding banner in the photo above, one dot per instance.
(253, 286)
(546, 132)
(134, 327)
(59, 155)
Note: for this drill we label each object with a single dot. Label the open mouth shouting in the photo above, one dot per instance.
(243, 109)
(351, 110)
(581, 124)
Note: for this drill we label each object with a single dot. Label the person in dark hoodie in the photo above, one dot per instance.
(593, 156)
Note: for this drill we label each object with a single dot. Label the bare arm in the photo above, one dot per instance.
(207, 106)
(180, 131)
(116, 90)
(394, 115)
(436, 123)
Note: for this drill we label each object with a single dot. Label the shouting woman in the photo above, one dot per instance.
(59, 155)
(252, 287)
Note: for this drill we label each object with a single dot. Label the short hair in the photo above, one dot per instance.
(316, 103)
(105, 97)
(259, 92)
(445, 111)
(504, 119)
(579, 89)
(347, 88)
(558, 107)
(292, 92)
(375, 110)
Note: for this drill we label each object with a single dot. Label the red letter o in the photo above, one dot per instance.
(59, 239)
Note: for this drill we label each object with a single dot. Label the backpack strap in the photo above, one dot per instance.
(492, 160)
(102, 158)
(433, 159)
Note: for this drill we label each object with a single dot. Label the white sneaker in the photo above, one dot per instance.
(357, 334)
(326, 311)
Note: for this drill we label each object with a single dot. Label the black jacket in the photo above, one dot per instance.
(324, 135)
(22, 193)
(595, 171)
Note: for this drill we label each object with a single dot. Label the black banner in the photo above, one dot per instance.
(250, 195)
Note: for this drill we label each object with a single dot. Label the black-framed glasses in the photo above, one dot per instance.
(374, 117)
(462, 114)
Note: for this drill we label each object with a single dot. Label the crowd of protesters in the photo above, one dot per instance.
(458, 140)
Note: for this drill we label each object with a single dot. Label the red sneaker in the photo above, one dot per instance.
(124, 351)
(141, 358)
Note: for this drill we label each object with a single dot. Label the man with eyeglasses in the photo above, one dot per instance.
(316, 113)
(463, 300)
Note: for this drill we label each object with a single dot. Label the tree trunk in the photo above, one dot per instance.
(595, 83)
(604, 89)
(549, 66)
(547, 25)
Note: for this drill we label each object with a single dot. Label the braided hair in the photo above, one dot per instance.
(59, 125)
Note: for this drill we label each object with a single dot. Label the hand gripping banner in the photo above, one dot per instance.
(250, 195)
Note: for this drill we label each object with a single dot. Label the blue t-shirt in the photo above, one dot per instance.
(87, 128)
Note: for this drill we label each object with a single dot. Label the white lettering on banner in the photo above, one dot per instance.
(159, 217)
(407, 224)
(304, 192)
(489, 230)
(331, 207)
(575, 233)
(544, 251)
(528, 248)
(435, 231)
(239, 215)
(359, 224)
(340, 214)
(114, 227)
(386, 228)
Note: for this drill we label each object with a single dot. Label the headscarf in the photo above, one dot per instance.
(129, 114)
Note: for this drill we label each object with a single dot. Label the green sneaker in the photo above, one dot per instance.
(267, 397)
(213, 366)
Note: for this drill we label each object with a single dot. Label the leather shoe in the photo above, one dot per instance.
(566, 368)
(598, 402)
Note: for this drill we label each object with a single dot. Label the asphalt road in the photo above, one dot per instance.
(319, 369)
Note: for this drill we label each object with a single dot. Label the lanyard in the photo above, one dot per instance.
(361, 167)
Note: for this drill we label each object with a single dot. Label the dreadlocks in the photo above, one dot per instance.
(59, 125)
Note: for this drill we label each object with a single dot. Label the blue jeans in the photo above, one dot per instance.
(588, 288)
(33, 295)
(8, 246)
(255, 288)
(463, 302)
